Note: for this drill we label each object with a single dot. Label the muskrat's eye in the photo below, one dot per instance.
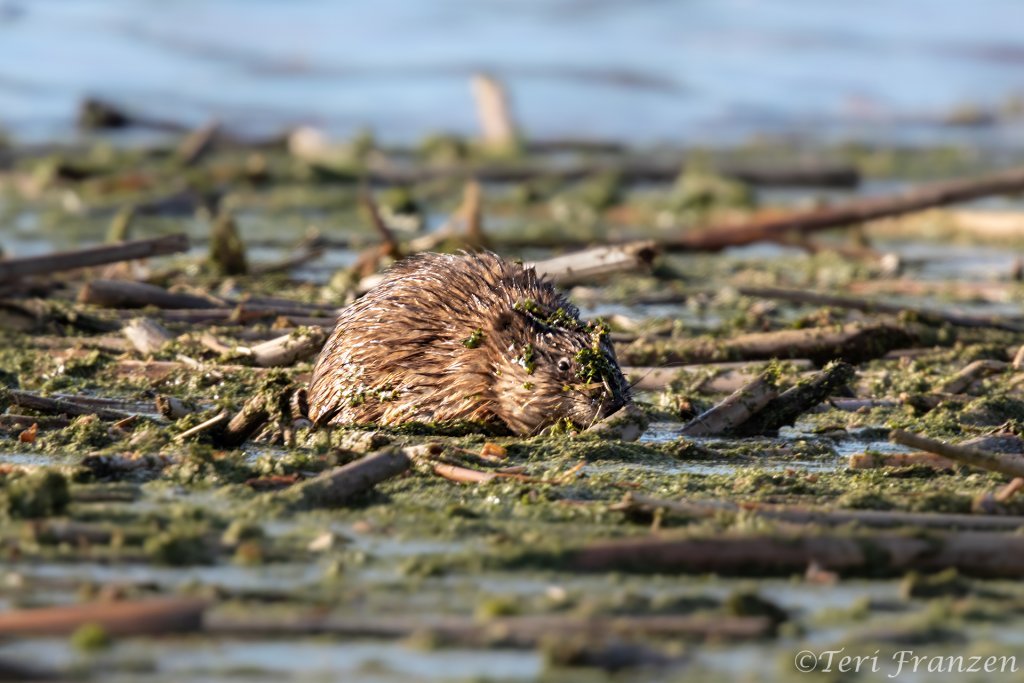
(564, 364)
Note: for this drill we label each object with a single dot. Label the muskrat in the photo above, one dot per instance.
(466, 337)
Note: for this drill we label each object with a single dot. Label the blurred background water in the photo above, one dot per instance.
(645, 71)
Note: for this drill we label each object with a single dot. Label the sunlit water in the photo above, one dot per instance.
(695, 72)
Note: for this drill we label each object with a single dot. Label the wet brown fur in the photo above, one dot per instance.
(399, 353)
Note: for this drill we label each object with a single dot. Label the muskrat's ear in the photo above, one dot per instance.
(503, 321)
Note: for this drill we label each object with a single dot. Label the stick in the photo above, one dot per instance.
(142, 617)
(591, 264)
(497, 124)
(852, 343)
(11, 269)
(855, 211)
(869, 461)
(626, 424)
(794, 402)
(724, 378)
(975, 553)
(732, 412)
(253, 415)
(215, 421)
(1004, 463)
(289, 349)
(815, 515)
(59, 406)
(924, 315)
(172, 408)
(198, 143)
(129, 294)
(970, 373)
(527, 631)
(632, 171)
(341, 485)
(146, 335)
(462, 475)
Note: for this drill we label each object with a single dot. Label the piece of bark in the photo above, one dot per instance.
(146, 335)
(854, 211)
(598, 262)
(732, 412)
(342, 485)
(152, 617)
(56, 262)
(784, 409)
(1004, 463)
(930, 316)
(130, 294)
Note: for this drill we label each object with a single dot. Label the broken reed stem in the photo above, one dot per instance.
(47, 264)
(933, 317)
(1011, 465)
(715, 238)
(970, 373)
(732, 412)
(205, 426)
(129, 618)
(973, 553)
(129, 294)
(341, 485)
(784, 409)
(147, 336)
(591, 264)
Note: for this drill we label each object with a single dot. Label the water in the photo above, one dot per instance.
(700, 71)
